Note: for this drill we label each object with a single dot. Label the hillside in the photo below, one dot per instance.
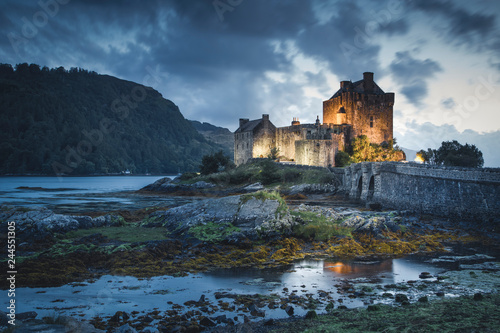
(80, 122)
(219, 135)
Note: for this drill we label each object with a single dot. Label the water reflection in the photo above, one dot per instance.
(305, 277)
(357, 269)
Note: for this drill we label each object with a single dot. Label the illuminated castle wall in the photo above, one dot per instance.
(357, 108)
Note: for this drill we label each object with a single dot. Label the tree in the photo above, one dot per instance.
(213, 163)
(273, 153)
(342, 159)
(426, 156)
(452, 153)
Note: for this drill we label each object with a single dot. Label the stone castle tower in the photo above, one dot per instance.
(364, 106)
(357, 108)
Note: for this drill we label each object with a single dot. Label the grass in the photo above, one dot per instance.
(463, 314)
(213, 232)
(266, 172)
(267, 195)
(128, 234)
(318, 227)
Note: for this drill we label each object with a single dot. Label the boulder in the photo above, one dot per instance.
(245, 212)
(313, 189)
(41, 224)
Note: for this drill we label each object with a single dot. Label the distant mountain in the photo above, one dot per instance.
(219, 135)
(80, 122)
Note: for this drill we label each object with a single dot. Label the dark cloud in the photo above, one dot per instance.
(464, 24)
(343, 41)
(448, 103)
(412, 75)
(393, 28)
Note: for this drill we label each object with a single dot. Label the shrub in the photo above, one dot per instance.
(270, 172)
(291, 175)
(342, 159)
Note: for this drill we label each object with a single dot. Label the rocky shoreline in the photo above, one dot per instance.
(252, 227)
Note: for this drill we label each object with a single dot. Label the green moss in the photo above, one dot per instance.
(213, 232)
(129, 234)
(318, 227)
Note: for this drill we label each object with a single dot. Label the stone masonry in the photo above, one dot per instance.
(357, 108)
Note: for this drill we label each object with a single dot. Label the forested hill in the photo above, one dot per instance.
(79, 122)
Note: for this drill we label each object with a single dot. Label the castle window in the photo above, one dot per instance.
(371, 121)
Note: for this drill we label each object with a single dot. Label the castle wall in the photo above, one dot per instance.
(466, 193)
(243, 143)
(285, 140)
(264, 140)
(369, 114)
(315, 152)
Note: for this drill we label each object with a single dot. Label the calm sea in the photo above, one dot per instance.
(79, 194)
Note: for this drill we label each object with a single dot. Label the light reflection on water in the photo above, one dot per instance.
(109, 294)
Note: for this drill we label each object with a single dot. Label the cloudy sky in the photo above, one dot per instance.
(220, 60)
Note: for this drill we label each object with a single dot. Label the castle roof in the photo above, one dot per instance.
(359, 87)
(249, 126)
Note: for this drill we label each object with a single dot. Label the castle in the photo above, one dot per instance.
(357, 108)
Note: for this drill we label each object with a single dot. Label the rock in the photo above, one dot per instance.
(440, 293)
(221, 319)
(400, 298)
(166, 185)
(246, 213)
(202, 299)
(26, 315)
(485, 266)
(373, 307)
(207, 322)
(119, 317)
(311, 314)
(425, 275)
(41, 224)
(478, 297)
(125, 329)
(330, 306)
(289, 310)
(313, 189)
(423, 299)
(253, 187)
(269, 322)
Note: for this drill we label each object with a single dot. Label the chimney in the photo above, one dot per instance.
(344, 84)
(368, 81)
(265, 117)
(243, 121)
(295, 121)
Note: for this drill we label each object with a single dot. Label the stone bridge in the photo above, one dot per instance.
(469, 193)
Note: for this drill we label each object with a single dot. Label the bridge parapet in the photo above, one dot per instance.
(470, 193)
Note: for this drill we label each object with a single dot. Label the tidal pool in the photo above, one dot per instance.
(304, 285)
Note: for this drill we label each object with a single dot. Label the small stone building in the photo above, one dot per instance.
(357, 108)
